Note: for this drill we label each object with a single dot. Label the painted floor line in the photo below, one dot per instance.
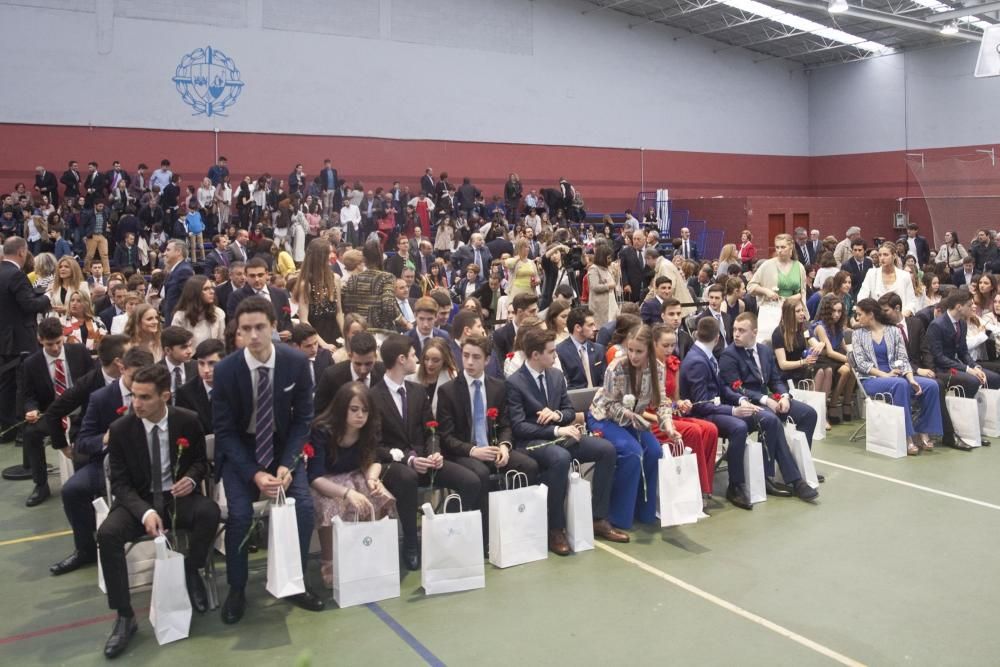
(35, 538)
(729, 606)
(56, 629)
(919, 487)
(405, 635)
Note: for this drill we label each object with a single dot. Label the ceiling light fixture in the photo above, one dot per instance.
(837, 6)
(950, 28)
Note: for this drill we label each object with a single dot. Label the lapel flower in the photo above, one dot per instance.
(510, 355)
(953, 371)
(431, 425)
(307, 451)
(183, 443)
(492, 413)
(286, 309)
(737, 385)
(121, 410)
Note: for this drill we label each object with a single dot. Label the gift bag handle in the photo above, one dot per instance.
(280, 500)
(507, 478)
(574, 466)
(806, 385)
(883, 396)
(520, 477)
(357, 513)
(452, 496)
(957, 390)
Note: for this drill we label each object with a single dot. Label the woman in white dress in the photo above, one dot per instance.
(886, 277)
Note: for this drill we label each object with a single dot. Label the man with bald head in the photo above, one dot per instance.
(633, 264)
(476, 253)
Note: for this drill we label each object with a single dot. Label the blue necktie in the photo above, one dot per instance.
(541, 387)
(265, 419)
(479, 414)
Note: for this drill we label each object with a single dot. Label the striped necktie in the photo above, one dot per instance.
(265, 419)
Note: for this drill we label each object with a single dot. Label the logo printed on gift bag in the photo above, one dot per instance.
(520, 508)
(367, 541)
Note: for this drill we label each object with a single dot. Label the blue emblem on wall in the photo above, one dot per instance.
(208, 81)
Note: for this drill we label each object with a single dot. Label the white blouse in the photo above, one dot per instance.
(874, 287)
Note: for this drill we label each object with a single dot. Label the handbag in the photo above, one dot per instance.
(169, 605)
(284, 561)
(451, 549)
(365, 561)
(889, 439)
(519, 522)
(679, 488)
(579, 511)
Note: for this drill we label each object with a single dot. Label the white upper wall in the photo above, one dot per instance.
(469, 70)
(914, 100)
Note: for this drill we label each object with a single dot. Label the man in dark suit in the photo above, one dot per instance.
(117, 293)
(178, 270)
(803, 249)
(475, 429)
(753, 364)
(425, 312)
(115, 175)
(126, 254)
(578, 347)
(261, 412)
(714, 297)
(673, 317)
(406, 410)
(71, 179)
(361, 367)
(734, 415)
(156, 458)
(525, 305)
(946, 340)
(688, 248)
(237, 279)
(219, 255)
(196, 394)
(632, 266)
(88, 480)
(306, 340)
(427, 182)
(257, 277)
(47, 374)
(46, 185)
(541, 411)
(652, 307)
(916, 245)
(397, 262)
(20, 306)
(177, 353)
(965, 277)
(858, 265)
(476, 253)
(914, 331)
(94, 186)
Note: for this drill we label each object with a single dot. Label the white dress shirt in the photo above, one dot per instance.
(394, 392)
(50, 363)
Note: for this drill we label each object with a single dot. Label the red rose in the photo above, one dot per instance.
(286, 309)
(492, 413)
(776, 397)
(673, 363)
(121, 410)
(432, 424)
(598, 434)
(737, 384)
(307, 451)
(182, 443)
(953, 371)
(510, 355)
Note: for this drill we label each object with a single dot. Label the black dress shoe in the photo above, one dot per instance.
(125, 627)
(804, 491)
(74, 561)
(820, 478)
(196, 591)
(961, 446)
(38, 495)
(411, 558)
(739, 496)
(234, 606)
(985, 442)
(777, 488)
(308, 601)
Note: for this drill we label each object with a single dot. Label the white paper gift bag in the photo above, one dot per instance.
(680, 488)
(753, 470)
(806, 393)
(169, 606)
(799, 446)
(768, 318)
(365, 561)
(989, 411)
(451, 550)
(964, 413)
(284, 559)
(66, 468)
(579, 511)
(885, 429)
(519, 522)
(140, 557)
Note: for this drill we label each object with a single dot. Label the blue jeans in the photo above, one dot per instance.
(929, 419)
(633, 492)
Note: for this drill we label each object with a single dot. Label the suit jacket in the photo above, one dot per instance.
(684, 343)
(190, 371)
(857, 274)
(632, 268)
(572, 368)
(232, 408)
(525, 400)
(455, 414)
(427, 185)
(650, 311)
(605, 333)
(323, 360)
(222, 294)
(192, 396)
(95, 182)
(129, 465)
(923, 249)
(466, 255)
(959, 278)
(173, 286)
(39, 392)
(335, 377)
(71, 179)
(102, 411)
(948, 349)
(20, 306)
(917, 345)
(395, 265)
(125, 257)
(727, 329)
(107, 316)
(436, 333)
(279, 299)
(735, 364)
(394, 433)
(503, 340)
(237, 254)
(693, 252)
(75, 398)
(808, 257)
(47, 186)
(700, 383)
(214, 259)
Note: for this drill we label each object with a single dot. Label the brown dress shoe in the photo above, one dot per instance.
(558, 544)
(605, 530)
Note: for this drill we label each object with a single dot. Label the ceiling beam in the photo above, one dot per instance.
(881, 17)
(969, 10)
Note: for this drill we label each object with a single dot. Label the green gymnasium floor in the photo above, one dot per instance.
(895, 565)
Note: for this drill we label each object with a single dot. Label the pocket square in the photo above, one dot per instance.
(597, 362)
(289, 387)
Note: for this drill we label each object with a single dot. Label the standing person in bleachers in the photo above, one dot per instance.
(154, 479)
(262, 406)
(47, 373)
(633, 266)
(688, 248)
(178, 270)
(543, 422)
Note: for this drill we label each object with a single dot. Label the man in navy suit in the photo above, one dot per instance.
(734, 415)
(476, 253)
(965, 277)
(101, 407)
(858, 265)
(257, 277)
(673, 315)
(541, 411)
(652, 307)
(753, 364)
(179, 270)
(425, 313)
(261, 410)
(633, 264)
(525, 305)
(946, 340)
(803, 249)
(688, 248)
(117, 292)
(580, 346)
(713, 311)
(196, 393)
(916, 245)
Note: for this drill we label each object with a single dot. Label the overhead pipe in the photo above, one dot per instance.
(880, 17)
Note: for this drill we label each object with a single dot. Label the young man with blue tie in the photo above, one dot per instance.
(582, 360)
(262, 407)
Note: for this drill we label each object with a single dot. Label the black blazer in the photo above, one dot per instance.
(454, 414)
(335, 377)
(917, 346)
(393, 433)
(728, 330)
(503, 340)
(190, 371)
(857, 275)
(20, 305)
(948, 349)
(632, 266)
(192, 396)
(323, 360)
(524, 401)
(77, 396)
(39, 392)
(808, 257)
(279, 299)
(129, 463)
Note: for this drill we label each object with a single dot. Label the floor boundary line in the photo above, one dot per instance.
(912, 485)
(405, 635)
(35, 538)
(731, 607)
